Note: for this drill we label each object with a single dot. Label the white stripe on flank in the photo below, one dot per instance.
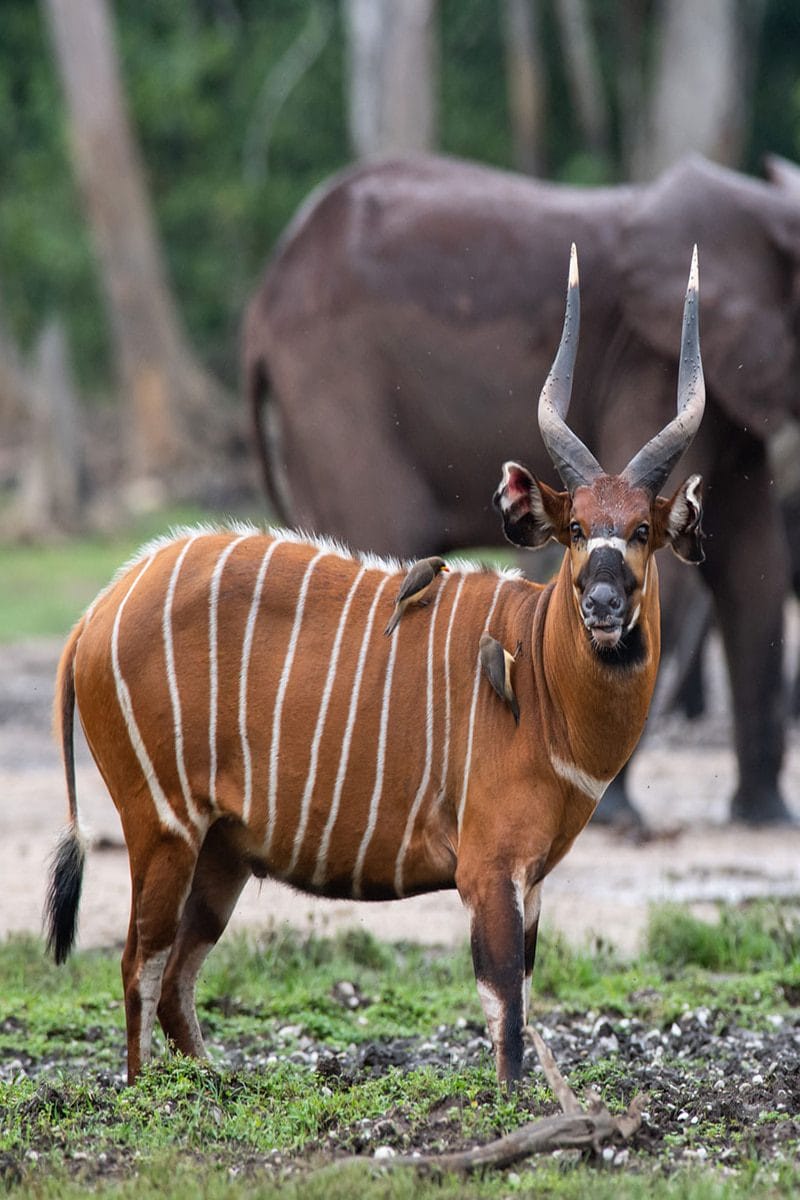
(213, 667)
(172, 680)
(613, 543)
(426, 774)
(321, 868)
(247, 647)
(281, 696)
(308, 791)
(380, 763)
(163, 808)
(590, 785)
(447, 698)
(473, 710)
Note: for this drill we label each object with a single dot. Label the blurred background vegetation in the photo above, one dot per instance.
(229, 156)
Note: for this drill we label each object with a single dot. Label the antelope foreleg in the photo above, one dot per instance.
(498, 954)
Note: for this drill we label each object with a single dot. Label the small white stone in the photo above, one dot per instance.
(385, 1152)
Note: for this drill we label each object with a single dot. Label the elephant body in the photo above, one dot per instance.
(407, 322)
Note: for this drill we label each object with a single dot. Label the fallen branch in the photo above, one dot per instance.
(574, 1128)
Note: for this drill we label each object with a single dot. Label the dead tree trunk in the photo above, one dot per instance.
(169, 396)
(525, 84)
(392, 51)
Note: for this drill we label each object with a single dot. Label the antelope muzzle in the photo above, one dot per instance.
(606, 585)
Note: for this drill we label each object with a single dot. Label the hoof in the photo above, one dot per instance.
(762, 807)
(615, 811)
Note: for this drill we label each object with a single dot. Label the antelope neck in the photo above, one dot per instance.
(603, 700)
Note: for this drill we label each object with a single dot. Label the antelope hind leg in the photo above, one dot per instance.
(159, 889)
(218, 880)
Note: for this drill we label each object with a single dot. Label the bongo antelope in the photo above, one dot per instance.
(249, 717)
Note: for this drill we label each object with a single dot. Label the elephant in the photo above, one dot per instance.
(394, 349)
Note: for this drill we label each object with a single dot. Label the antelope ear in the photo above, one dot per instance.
(532, 512)
(680, 520)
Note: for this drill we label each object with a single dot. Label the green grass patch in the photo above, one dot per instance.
(260, 1119)
(46, 587)
(758, 935)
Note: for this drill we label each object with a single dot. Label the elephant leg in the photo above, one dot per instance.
(615, 810)
(746, 568)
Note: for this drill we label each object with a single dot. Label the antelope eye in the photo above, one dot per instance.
(576, 531)
(642, 534)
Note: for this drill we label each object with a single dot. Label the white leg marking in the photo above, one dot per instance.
(320, 871)
(281, 696)
(447, 696)
(172, 679)
(636, 614)
(186, 995)
(494, 1010)
(163, 807)
(426, 774)
(148, 985)
(474, 709)
(613, 543)
(247, 647)
(582, 780)
(532, 909)
(380, 763)
(308, 791)
(213, 666)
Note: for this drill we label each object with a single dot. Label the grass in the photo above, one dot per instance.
(268, 1127)
(46, 587)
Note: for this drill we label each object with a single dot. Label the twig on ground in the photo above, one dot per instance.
(573, 1128)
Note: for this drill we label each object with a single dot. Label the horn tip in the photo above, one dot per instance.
(573, 266)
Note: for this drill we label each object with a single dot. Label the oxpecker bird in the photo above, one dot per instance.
(496, 663)
(414, 587)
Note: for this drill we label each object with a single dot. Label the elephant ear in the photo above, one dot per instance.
(748, 238)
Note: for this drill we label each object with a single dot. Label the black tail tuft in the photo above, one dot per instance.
(64, 893)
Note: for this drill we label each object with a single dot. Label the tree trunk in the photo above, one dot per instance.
(583, 74)
(525, 82)
(701, 84)
(392, 70)
(50, 494)
(171, 399)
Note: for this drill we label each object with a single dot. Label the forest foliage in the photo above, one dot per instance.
(231, 149)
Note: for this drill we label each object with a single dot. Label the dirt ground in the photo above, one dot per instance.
(681, 782)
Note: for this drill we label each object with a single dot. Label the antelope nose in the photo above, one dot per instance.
(602, 602)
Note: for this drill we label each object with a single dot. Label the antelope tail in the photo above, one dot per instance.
(67, 862)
